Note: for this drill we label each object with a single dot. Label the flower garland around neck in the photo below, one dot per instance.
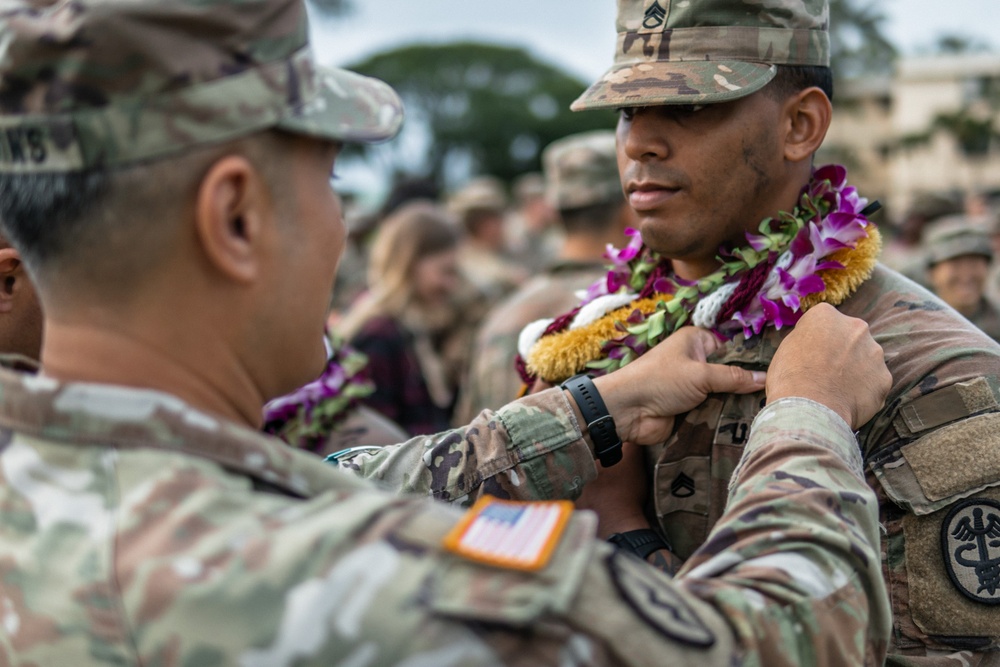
(306, 417)
(820, 252)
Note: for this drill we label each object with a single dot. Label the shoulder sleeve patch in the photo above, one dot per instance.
(970, 544)
(951, 565)
(656, 601)
(520, 536)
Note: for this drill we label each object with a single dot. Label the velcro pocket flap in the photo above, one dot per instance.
(953, 462)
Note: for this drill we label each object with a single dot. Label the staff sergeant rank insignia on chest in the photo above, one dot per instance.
(970, 542)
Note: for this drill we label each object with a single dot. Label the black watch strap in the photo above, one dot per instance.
(600, 425)
(639, 542)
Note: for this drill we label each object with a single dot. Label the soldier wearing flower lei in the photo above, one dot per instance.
(821, 252)
(723, 105)
(327, 415)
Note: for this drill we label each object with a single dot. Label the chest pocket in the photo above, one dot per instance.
(951, 601)
(692, 474)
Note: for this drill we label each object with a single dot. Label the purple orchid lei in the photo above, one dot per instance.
(760, 285)
(306, 417)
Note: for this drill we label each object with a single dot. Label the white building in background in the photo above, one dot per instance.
(900, 136)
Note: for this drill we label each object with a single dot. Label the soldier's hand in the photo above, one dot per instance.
(670, 379)
(832, 359)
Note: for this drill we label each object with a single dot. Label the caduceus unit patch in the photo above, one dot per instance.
(970, 541)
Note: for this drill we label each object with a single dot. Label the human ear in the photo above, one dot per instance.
(11, 272)
(231, 210)
(808, 114)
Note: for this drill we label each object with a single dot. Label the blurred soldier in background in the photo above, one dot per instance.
(582, 185)
(958, 255)
(480, 207)
(533, 236)
(903, 251)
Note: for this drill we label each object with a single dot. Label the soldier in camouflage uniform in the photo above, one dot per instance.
(724, 103)
(164, 171)
(957, 255)
(581, 175)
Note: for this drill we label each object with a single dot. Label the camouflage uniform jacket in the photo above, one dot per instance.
(137, 530)
(492, 380)
(933, 450)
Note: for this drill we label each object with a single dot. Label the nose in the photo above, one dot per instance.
(641, 136)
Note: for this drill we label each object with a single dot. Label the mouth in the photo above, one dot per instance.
(648, 196)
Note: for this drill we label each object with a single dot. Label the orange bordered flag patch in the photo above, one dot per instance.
(509, 534)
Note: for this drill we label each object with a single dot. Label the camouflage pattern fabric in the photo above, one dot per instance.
(707, 51)
(137, 530)
(582, 170)
(492, 380)
(83, 85)
(946, 382)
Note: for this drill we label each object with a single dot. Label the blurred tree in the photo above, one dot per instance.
(953, 43)
(477, 108)
(332, 7)
(858, 44)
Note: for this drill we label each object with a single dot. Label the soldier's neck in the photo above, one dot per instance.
(694, 270)
(582, 248)
(214, 382)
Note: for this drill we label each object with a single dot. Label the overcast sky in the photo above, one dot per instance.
(580, 35)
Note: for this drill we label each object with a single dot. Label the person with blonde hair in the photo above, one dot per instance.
(403, 323)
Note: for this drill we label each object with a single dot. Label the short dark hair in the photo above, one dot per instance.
(42, 213)
(105, 226)
(595, 218)
(791, 79)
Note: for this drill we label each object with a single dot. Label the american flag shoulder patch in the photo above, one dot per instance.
(509, 534)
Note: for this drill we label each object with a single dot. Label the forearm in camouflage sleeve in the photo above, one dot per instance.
(531, 449)
(798, 545)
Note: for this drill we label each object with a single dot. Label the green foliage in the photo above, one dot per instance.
(494, 107)
(332, 7)
(858, 44)
(953, 43)
(973, 135)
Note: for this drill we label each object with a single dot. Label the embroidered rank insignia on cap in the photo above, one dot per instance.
(655, 15)
(508, 534)
(970, 542)
(656, 601)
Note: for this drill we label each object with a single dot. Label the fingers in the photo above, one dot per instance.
(831, 358)
(692, 343)
(721, 379)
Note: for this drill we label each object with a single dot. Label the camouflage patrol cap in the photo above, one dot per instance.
(706, 51)
(483, 193)
(103, 83)
(956, 236)
(582, 170)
